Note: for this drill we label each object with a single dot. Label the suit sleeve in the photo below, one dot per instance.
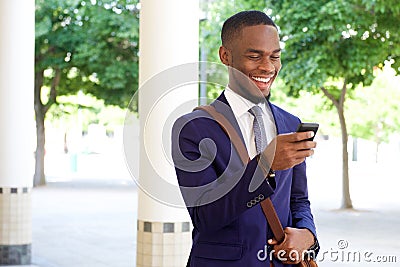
(299, 202)
(216, 190)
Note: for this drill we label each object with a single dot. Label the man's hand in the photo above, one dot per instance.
(299, 240)
(288, 150)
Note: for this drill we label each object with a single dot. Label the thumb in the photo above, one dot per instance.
(272, 241)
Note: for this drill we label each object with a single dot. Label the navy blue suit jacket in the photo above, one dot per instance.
(230, 228)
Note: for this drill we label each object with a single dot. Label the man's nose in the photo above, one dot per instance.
(266, 65)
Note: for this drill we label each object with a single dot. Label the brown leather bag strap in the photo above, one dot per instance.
(273, 219)
(266, 204)
(229, 130)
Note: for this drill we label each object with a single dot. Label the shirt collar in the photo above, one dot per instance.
(239, 104)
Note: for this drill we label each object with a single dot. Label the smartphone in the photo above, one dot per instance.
(308, 126)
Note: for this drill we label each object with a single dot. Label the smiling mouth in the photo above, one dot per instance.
(261, 79)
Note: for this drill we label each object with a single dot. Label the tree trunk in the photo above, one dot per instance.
(339, 104)
(40, 114)
(346, 200)
(39, 177)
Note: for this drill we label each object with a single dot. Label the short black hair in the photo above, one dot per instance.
(237, 22)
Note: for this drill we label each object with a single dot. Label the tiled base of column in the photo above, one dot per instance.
(15, 255)
(15, 226)
(163, 244)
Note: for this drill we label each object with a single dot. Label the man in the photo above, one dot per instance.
(221, 192)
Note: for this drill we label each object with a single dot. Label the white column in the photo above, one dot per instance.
(168, 40)
(17, 134)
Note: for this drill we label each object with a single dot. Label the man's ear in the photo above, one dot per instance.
(225, 55)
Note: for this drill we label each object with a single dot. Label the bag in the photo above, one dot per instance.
(307, 263)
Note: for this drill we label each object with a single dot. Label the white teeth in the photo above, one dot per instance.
(260, 79)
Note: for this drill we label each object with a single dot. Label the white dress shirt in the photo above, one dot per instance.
(240, 107)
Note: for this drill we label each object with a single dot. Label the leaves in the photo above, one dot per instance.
(329, 42)
(380, 102)
(327, 39)
(97, 40)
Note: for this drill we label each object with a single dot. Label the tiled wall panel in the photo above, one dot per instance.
(163, 244)
(15, 226)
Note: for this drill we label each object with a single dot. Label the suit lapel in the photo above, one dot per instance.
(281, 128)
(280, 122)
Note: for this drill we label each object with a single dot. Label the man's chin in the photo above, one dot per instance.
(265, 92)
(251, 91)
(265, 96)
(257, 98)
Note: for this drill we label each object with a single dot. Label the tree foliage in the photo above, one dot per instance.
(334, 46)
(375, 109)
(93, 44)
(88, 46)
(328, 41)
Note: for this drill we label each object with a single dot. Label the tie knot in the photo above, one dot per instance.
(256, 111)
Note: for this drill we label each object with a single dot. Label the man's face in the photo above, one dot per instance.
(255, 52)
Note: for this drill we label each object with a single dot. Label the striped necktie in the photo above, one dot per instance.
(259, 129)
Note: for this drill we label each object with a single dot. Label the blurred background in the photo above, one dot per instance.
(340, 69)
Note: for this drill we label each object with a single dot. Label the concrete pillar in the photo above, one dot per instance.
(17, 30)
(168, 39)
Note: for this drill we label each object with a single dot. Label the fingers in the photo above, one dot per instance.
(288, 150)
(272, 241)
(297, 140)
(304, 146)
(289, 230)
(297, 136)
(294, 240)
(303, 135)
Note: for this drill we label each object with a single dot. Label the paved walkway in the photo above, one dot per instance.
(85, 224)
(92, 224)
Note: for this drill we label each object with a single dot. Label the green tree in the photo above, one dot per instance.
(318, 110)
(83, 45)
(334, 46)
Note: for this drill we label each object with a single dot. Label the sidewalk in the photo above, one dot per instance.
(358, 238)
(93, 224)
(84, 224)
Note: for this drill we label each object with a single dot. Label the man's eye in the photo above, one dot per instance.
(276, 57)
(254, 57)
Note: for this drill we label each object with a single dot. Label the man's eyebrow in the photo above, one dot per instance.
(252, 50)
